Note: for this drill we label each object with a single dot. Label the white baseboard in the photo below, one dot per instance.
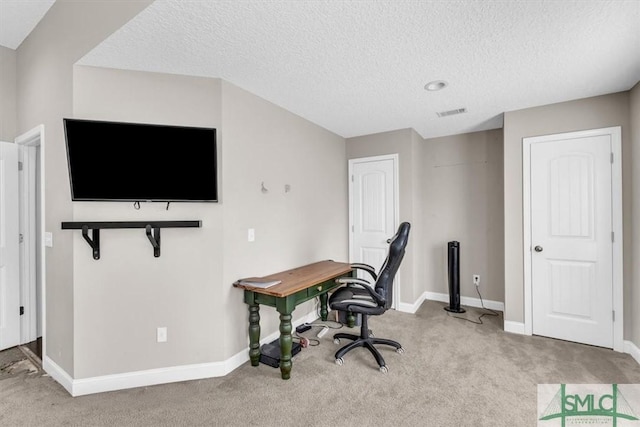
(435, 296)
(633, 350)
(514, 327)
(412, 308)
(468, 301)
(58, 374)
(104, 383)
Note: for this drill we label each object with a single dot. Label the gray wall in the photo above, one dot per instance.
(258, 142)
(450, 189)
(634, 113)
(102, 316)
(44, 96)
(265, 143)
(121, 300)
(590, 113)
(401, 142)
(462, 200)
(8, 101)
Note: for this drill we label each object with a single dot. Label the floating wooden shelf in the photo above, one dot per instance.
(152, 229)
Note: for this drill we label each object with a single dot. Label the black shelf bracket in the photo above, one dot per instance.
(94, 241)
(152, 230)
(154, 239)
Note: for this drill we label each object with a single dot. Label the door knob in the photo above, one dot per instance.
(538, 249)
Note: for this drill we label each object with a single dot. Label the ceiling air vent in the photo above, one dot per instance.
(451, 112)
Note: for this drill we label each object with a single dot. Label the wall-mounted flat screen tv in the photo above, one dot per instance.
(114, 161)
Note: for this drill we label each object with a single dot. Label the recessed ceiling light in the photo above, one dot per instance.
(436, 85)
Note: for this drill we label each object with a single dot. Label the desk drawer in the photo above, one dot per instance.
(321, 288)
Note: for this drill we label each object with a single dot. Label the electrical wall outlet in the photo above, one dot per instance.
(476, 279)
(161, 334)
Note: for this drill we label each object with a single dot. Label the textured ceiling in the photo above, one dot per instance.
(359, 67)
(18, 18)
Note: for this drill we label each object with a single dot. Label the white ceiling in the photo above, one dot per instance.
(359, 67)
(18, 18)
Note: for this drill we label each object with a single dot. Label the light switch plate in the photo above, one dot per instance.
(48, 239)
(161, 334)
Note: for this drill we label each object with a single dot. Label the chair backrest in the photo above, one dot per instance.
(384, 284)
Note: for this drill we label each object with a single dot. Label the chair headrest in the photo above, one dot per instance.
(401, 238)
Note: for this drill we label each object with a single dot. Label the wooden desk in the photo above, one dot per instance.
(297, 286)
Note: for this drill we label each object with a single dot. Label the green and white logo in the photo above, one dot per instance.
(588, 404)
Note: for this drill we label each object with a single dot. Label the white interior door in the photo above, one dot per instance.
(571, 239)
(9, 247)
(373, 201)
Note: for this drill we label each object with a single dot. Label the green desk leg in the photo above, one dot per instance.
(254, 334)
(351, 319)
(285, 345)
(324, 312)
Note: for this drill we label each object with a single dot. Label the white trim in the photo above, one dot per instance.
(615, 134)
(633, 350)
(468, 301)
(514, 327)
(28, 324)
(412, 308)
(149, 377)
(396, 208)
(28, 330)
(526, 235)
(126, 380)
(57, 373)
(436, 296)
(616, 214)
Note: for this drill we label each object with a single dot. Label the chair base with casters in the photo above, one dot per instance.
(370, 298)
(366, 340)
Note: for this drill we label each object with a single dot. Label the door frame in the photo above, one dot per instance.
(396, 208)
(615, 133)
(28, 288)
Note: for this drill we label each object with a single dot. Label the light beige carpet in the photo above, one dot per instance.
(453, 373)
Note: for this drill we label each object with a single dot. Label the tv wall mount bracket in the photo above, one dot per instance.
(152, 230)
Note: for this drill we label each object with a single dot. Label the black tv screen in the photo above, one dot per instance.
(113, 161)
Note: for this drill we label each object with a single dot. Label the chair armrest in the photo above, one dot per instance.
(366, 267)
(352, 280)
(364, 285)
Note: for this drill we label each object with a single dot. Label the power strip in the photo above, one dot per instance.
(323, 332)
(302, 328)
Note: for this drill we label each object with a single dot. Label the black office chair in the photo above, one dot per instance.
(360, 297)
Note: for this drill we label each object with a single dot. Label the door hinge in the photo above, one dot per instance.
(613, 315)
(20, 238)
(613, 237)
(611, 157)
(352, 178)
(352, 229)
(19, 166)
(21, 310)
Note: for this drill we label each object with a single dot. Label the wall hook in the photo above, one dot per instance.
(264, 189)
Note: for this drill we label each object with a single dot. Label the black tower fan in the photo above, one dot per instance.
(454, 278)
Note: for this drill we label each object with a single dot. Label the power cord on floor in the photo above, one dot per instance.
(331, 324)
(479, 321)
(322, 323)
(306, 342)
